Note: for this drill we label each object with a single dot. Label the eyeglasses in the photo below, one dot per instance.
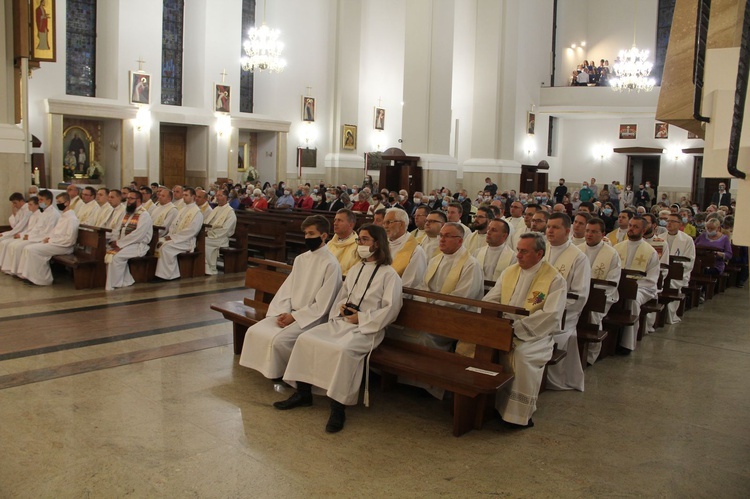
(364, 241)
(390, 222)
(428, 222)
(442, 236)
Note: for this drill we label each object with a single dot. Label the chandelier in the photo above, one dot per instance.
(632, 68)
(263, 49)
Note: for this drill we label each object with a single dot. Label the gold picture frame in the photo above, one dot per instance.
(349, 137)
(308, 108)
(222, 98)
(43, 18)
(243, 153)
(78, 152)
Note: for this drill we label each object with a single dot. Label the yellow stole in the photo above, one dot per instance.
(612, 236)
(162, 215)
(641, 258)
(345, 252)
(218, 216)
(187, 217)
(602, 263)
(538, 291)
(403, 257)
(435, 252)
(455, 273)
(502, 263)
(419, 235)
(565, 261)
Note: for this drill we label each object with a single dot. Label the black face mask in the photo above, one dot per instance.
(130, 208)
(313, 243)
(391, 200)
(61, 206)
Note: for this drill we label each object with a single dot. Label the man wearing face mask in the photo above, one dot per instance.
(477, 239)
(651, 194)
(641, 198)
(302, 302)
(463, 198)
(585, 194)
(34, 264)
(560, 191)
(44, 226)
(285, 201)
(130, 239)
(722, 197)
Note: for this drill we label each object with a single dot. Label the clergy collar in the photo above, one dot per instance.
(400, 241)
(561, 246)
(497, 248)
(457, 254)
(598, 245)
(534, 269)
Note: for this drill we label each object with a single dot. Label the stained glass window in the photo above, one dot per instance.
(171, 52)
(246, 77)
(663, 26)
(80, 49)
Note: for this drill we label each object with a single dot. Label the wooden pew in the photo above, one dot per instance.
(651, 306)
(235, 255)
(668, 295)
(193, 263)
(698, 276)
(619, 315)
(588, 331)
(87, 259)
(143, 268)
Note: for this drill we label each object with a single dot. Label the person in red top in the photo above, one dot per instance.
(304, 202)
(361, 205)
(259, 202)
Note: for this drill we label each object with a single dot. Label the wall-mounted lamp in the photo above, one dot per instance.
(675, 153)
(583, 44)
(142, 119)
(223, 125)
(529, 146)
(114, 145)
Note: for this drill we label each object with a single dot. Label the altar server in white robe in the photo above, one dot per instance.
(31, 215)
(605, 265)
(575, 268)
(538, 287)
(11, 258)
(682, 245)
(130, 240)
(34, 264)
(431, 242)
(118, 211)
(516, 223)
(163, 213)
(223, 221)
(478, 239)
(637, 254)
(181, 238)
(19, 217)
(409, 260)
(497, 255)
(331, 357)
(302, 302)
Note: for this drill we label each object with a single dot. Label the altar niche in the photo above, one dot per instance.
(82, 150)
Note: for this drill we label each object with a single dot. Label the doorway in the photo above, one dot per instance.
(642, 169)
(704, 188)
(533, 180)
(172, 155)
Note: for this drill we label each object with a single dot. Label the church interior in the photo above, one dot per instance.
(137, 391)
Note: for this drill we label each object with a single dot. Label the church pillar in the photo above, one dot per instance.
(428, 85)
(13, 174)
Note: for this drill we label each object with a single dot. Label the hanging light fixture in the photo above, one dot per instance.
(263, 49)
(632, 67)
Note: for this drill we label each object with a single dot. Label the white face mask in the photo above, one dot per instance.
(417, 200)
(364, 252)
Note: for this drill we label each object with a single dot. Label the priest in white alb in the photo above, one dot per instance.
(223, 221)
(11, 258)
(680, 245)
(182, 237)
(575, 268)
(497, 255)
(538, 287)
(478, 238)
(409, 260)
(302, 302)
(164, 212)
(130, 240)
(343, 244)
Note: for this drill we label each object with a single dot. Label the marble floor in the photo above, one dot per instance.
(167, 412)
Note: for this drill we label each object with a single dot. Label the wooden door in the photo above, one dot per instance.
(172, 155)
(528, 179)
(704, 188)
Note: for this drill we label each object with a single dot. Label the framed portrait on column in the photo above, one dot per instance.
(43, 30)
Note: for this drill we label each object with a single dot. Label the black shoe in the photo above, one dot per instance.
(157, 280)
(515, 426)
(623, 351)
(297, 399)
(337, 418)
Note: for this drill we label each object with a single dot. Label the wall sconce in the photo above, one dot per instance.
(529, 146)
(114, 145)
(675, 153)
(223, 125)
(308, 134)
(142, 119)
(601, 152)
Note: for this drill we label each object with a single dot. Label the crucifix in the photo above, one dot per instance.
(140, 62)
(379, 102)
(309, 90)
(223, 75)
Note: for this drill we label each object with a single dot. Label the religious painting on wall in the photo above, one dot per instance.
(43, 30)
(140, 87)
(661, 131)
(379, 118)
(349, 137)
(242, 157)
(628, 131)
(530, 123)
(308, 108)
(307, 158)
(78, 154)
(222, 96)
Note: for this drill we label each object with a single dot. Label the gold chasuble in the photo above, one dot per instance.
(403, 257)
(641, 258)
(455, 273)
(538, 291)
(345, 252)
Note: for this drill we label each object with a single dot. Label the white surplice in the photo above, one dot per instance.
(568, 373)
(163, 215)
(489, 258)
(87, 213)
(331, 356)
(131, 245)
(430, 246)
(532, 344)
(18, 223)
(223, 221)
(646, 290)
(415, 270)
(43, 227)
(26, 225)
(611, 273)
(308, 294)
(680, 245)
(34, 264)
(475, 241)
(182, 236)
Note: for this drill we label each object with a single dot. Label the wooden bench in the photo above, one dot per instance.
(87, 259)
(265, 279)
(668, 295)
(619, 316)
(706, 281)
(193, 263)
(235, 255)
(473, 391)
(143, 268)
(588, 331)
(652, 306)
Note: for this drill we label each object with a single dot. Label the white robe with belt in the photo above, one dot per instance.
(489, 258)
(646, 290)
(131, 245)
(308, 294)
(331, 356)
(181, 238)
(22, 223)
(680, 245)
(568, 373)
(532, 345)
(43, 227)
(34, 264)
(217, 236)
(163, 215)
(415, 270)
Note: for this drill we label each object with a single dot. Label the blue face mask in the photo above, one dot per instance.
(42, 205)
(684, 220)
(663, 223)
(461, 198)
(607, 211)
(445, 203)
